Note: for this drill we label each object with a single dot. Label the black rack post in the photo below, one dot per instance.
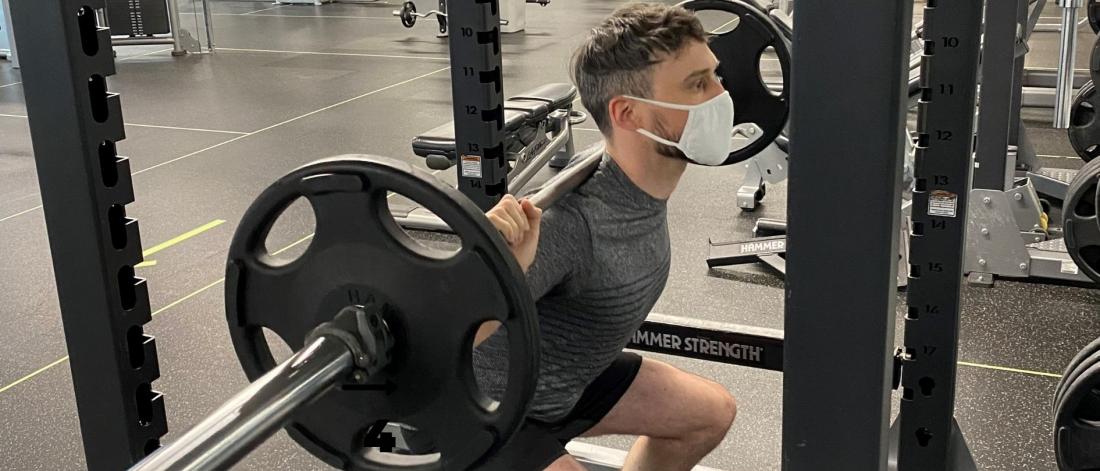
(75, 123)
(928, 436)
(478, 95)
(848, 105)
(1002, 73)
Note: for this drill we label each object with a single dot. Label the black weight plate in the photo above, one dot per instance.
(1094, 62)
(1077, 423)
(1085, 362)
(783, 22)
(739, 52)
(1079, 221)
(1093, 9)
(433, 300)
(1075, 375)
(1072, 368)
(408, 17)
(1084, 128)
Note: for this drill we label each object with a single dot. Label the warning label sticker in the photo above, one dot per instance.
(471, 166)
(943, 203)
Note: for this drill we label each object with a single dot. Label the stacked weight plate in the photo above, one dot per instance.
(1084, 129)
(1079, 220)
(1077, 412)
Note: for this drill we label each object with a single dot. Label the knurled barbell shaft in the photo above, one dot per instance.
(257, 412)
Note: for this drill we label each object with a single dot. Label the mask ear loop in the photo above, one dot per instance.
(662, 104)
(674, 106)
(677, 106)
(659, 139)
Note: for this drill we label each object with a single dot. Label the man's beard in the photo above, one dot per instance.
(664, 149)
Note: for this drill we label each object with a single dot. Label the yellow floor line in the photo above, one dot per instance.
(1010, 370)
(36, 373)
(158, 311)
(176, 240)
(66, 357)
(185, 298)
(182, 237)
(284, 249)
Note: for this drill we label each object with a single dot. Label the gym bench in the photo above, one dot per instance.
(538, 133)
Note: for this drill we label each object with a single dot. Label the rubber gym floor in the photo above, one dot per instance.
(289, 84)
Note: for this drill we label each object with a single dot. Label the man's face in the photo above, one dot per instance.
(687, 78)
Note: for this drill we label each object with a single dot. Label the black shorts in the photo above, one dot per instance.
(537, 444)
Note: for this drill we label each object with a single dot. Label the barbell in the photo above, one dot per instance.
(409, 15)
(382, 327)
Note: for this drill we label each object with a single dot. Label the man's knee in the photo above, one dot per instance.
(721, 414)
(727, 410)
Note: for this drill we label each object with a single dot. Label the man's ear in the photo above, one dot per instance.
(623, 113)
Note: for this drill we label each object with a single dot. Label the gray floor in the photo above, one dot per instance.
(294, 83)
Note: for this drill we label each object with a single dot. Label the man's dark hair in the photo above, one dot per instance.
(618, 56)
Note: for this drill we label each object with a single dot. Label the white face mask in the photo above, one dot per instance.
(708, 133)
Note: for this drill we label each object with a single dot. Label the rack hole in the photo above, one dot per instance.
(88, 26)
(923, 436)
(144, 400)
(126, 287)
(926, 386)
(116, 220)
(135, 343)
(97, 93)
(108, 163)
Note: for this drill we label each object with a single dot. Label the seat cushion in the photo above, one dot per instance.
(527, 109)
(557, 95)
(440, 140)
(533, 110)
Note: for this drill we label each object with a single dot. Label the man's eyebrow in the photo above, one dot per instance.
(700, 73)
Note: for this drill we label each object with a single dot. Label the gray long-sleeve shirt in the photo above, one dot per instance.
(602, 262)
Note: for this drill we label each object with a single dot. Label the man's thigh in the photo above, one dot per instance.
(662, 402)
(566, 463)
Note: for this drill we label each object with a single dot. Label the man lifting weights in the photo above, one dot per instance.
(599, 258)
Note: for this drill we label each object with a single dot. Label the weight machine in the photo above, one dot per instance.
(148, 22)
(133, 23)
(1009, 235)
(371, 348)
